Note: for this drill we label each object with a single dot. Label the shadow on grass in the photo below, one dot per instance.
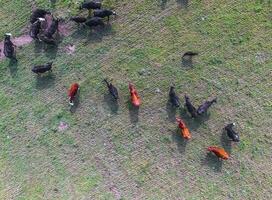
(171, 111)
(226, 142)
(179, 140)
(193, 123)
(133, 113)
(162, 3)
(13, 67)
(187, 63)
(112, 103)
(45, 81)
(96, 34)
(213, 162)
(80, 33)
(51, 51)
(183, 3)
(76, 103)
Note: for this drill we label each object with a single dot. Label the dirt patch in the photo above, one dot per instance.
(18, 41)
(70, 49)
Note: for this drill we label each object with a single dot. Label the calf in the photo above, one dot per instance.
(203, 108)
(112, 90)
(9, 47)
(39, 69)
(35, 28)
(234, 136)
(38, 13)
(191, 109)
(52, 29)
(72, 93)
(94, 21)
(174, 99)
(104, 13)
(90, 5)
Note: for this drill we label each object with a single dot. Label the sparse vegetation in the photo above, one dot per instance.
(106, 147)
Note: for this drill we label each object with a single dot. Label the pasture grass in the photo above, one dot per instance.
(141, 155)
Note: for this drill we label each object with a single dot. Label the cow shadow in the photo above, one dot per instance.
(13, 67)
(179, 140)
(112, 103)
(187, 62)
(76, 103)
(183, 3)
(45, 81)
(81, 32)
(171, 111)
(162, 3)
(226, 142)
(38, 47)
(133, 113)
(96, 34)
(213, 162)
(51, 51)
(193, 123)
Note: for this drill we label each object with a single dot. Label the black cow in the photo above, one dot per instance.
(52, 29)
(35, 28)
(38, 13)
(104, 13)
(9, 47)
(94, 21)
(112, 90)
(39, 69)
(205, 106)
(174, 99)
(234, 136)
(78, 20)
(90, 5)
(189, 54)
(191, 109)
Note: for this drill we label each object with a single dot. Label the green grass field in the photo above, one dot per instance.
(112, 152)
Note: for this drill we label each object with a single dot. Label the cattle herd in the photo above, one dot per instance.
(40, 31)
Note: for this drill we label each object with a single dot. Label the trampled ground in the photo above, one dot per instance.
(101, 150)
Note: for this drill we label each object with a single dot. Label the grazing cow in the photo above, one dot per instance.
(112, 90)
(9, 47)
(219, 152)
(38, 13)
(94, 21)
(203, 108)
(104, 13)
(189, 54)
(191, 109)
(52, 29)
(35, 28)
(90, 5)
(39, 69)
(72, 93)
(78, 20)
(184, 130)
(135, 99)
(174, 99)
(234, 136)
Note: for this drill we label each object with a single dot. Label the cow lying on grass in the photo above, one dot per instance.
(40, 69)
